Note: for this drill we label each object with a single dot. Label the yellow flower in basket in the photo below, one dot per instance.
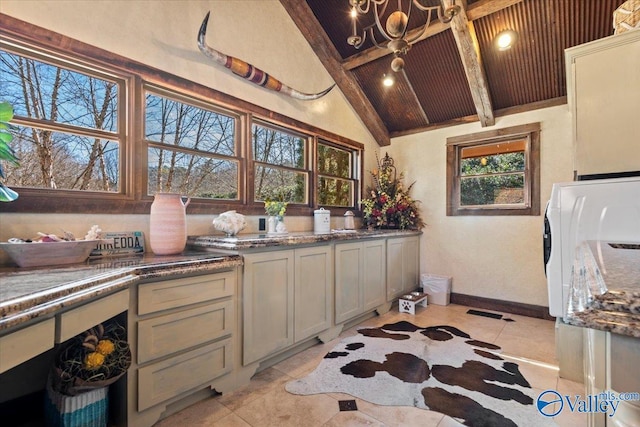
(105, 347)
(93, 361)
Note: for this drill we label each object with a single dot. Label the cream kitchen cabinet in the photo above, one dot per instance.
(403, 265)
(360, 277)
(287, 296)
(603, 83)
(183, 337)
(26, 343)
(313, 291)
(22, 345)
(267, 295)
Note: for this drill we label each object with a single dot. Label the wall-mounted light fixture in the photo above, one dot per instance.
(505, 39)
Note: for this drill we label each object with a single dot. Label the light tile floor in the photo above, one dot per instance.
(264, 402)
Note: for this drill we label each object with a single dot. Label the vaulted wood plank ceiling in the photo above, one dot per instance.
(455, 74)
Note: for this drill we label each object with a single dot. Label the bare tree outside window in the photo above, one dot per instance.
(191, 150)
(279, 165)
(67, 124)
(88, 142)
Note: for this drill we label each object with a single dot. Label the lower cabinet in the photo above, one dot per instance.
(182, 333)
(287, 298)
(313, 291)
(26, 343)
(360, 278)
(403, 265)
(267, 296)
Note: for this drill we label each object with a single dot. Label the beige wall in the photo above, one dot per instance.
(492, 257)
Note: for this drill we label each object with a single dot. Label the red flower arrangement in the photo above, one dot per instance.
(390, 205)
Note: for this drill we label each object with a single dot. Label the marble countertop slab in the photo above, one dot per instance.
(256, 241)
(28, 293)
(616, 307)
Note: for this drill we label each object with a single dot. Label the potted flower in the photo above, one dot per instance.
(389, 204)
(276, 211)
(84, 367)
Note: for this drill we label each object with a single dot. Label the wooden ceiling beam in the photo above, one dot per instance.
(475, 11)
(467, 43)
(305, 20)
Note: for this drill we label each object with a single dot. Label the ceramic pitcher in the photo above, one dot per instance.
(168, 224)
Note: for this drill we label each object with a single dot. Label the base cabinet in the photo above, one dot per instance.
(313, 291)
(403, 266)
(359, 278)
(287, 296)
(182, 333)
(267, 295)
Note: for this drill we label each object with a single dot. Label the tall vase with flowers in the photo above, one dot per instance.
(389, 204)
(276, 211)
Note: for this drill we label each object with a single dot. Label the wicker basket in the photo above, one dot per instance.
(88, 409)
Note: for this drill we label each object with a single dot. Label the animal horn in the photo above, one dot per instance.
(249, 72)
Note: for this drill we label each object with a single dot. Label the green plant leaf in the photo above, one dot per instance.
(7, 194)
(5, 137)
(6, 112)
(7, 153)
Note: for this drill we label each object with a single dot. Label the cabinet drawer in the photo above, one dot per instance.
(167, 294)
(170, 378)
(78, 320)
(26, 343)
(171, 333)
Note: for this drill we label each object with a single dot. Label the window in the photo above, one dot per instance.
(495, 172)
(336, 172)
(98, 133)
(191, 150)
(68, 135)
(280, 164)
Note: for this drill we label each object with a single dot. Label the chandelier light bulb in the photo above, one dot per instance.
(397, 24)
(388, 80)
(393, 34)
(397, 64)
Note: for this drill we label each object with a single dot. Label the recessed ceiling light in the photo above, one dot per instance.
(505, 39)
(388, 80)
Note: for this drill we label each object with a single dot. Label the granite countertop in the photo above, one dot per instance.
(29, 293)
(257, 241)
(611, 272)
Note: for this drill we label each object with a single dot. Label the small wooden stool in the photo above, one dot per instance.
(407, 303)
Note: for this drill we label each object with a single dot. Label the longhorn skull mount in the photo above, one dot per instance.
(249, 72)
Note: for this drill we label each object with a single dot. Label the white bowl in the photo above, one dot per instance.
(37, 254)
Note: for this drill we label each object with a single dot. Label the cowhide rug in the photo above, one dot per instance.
(440, 368)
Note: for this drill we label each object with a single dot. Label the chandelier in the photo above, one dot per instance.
(395, 28)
